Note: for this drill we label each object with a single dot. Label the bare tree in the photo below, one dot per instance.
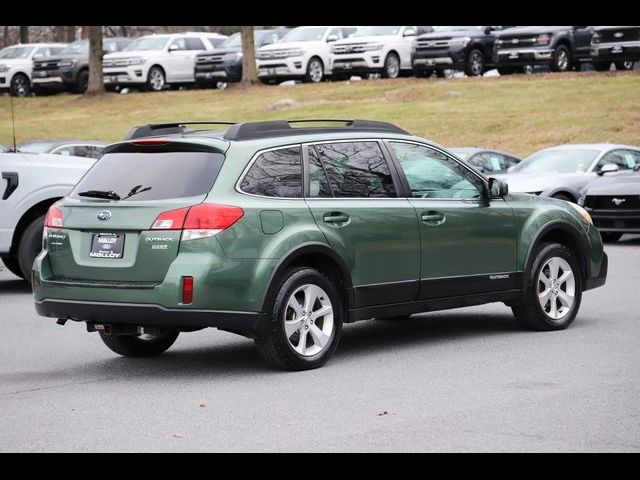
(96, 82)
(249, 73)
(85, 32)
(71, 34)
(60, 33)
(24, 34)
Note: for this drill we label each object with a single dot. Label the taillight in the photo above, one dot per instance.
(53, 218)
(187, 290)
(171, 220)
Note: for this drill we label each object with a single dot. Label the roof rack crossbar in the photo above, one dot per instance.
(257, 130)
(155, 129)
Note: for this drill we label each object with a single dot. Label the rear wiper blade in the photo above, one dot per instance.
(108, 195)
(136, 190)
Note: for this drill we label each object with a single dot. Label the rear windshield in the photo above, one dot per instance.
(167, 175)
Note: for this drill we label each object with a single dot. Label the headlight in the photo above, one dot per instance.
(582, 212)
(66, 63)
(543, 39)
(370, 47)
(596, 38)
(3, 68)
(294, 53)
(136, 61)
(233, 57)
(463, 41)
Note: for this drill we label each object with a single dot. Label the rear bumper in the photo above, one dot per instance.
(247, 323)
(616, 51)
(601, 278)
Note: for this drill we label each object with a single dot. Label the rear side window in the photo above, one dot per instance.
(277, 173)
(169, 175)
(349, 170)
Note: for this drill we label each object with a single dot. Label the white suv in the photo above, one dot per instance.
(155, 61)
(302, 53)
(385, 50)
(16, 64)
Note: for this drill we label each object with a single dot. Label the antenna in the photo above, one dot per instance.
(13, 125)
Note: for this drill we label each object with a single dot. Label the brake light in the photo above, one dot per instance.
(53, 218)
(149, 142)
(209, 219)
(171, 220)
(187, 290)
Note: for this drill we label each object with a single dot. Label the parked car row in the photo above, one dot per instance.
(315, 53)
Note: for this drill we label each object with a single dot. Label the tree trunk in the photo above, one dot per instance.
(249, 72)
(61, 33)
(85, 32)
(70, 34)
(24, 34)
(96, 82)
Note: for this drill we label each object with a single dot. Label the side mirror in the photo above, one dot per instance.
(173, 47)
(332, 38)
(608, 168)
(488, 30)
(38, 56)
(410, 32)
(497, 188)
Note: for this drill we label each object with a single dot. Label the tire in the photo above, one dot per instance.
(607, 237)
(156, 79)
(30, 246)
(624, 65)
(135, 346)
(561, 59)
(20, 85)
(474, 65)
(315, 71)
(601, 66)
(526, 69)
(12, 265)
(288, 348)
(82, 82)
(505, 70)
(530, 312)
(391, 67)
(562, 196)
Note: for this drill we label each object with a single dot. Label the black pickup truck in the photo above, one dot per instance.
(69, 70)
(617, 45)
(561, 48)
(457, 48)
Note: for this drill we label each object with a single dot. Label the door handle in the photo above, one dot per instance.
(433, 218)
(336, 218)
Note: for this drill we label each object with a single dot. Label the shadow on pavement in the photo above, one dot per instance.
(15, 285)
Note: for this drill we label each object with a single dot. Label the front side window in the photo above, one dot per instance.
(431, 174)
(623, 159)
(277, 173)
(11, 53)
(349, 170)
(178, 44)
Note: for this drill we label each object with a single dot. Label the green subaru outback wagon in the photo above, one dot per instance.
(282, 231)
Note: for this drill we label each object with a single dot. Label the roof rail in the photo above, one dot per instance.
(156, 129)
(279, 128)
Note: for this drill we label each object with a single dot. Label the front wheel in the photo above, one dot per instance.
(156, 79)
(474, 66)
(561, 59)
(315, 71)
(145, 345)
(391, 67)
(20, 85)
(306, 321)
(553, 290)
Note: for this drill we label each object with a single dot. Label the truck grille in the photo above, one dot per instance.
(210, 59)
(348, 48)
(44, 65)
(515, 42)
(425, 44)
(273, 54)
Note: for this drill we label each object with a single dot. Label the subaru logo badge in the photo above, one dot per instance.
(104, 215)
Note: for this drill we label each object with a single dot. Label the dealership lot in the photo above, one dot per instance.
(464, 380)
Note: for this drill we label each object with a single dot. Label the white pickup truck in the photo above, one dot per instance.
(29, 185)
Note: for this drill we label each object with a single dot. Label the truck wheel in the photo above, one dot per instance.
(20, 85)
(474, 65)
(30, 246)
(145, 345)
(156, 79)
(561, 59)
(315, 71)
(391, 67)
(553, 290)
(610, 237)
(12, 265)
(305, 321)
(82, 82)
(601, 66)
(626, 65)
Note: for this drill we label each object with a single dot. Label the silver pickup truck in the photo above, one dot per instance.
(29, 184)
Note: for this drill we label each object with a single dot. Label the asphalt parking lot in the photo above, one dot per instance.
(460, 380)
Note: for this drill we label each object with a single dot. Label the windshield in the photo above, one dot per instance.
(81, 47)
(148, 43)
(16, 52)
(35, 147)
(234, 40)
(364, 31)
(312, 34)
(452, 28)
(560, 160)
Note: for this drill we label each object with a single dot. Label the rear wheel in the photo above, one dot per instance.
(12, 265)
(553, 290)
(145, 345)
(561, 59)
(30, 246)
(306, 321)
(610, 237)
(474, 66)
(625, 65)
(391, 67)
(20, 85)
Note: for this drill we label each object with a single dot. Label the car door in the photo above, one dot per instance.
(182, 58)
(409, 34)
(352, 192)
(468, 243)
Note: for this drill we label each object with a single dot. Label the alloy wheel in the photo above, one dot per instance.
(308, 322)
(315, 71)
(556, 288)
(477, 63)
(392, 66)
(156, 79)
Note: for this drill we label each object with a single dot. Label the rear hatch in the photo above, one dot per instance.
(114, 240)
